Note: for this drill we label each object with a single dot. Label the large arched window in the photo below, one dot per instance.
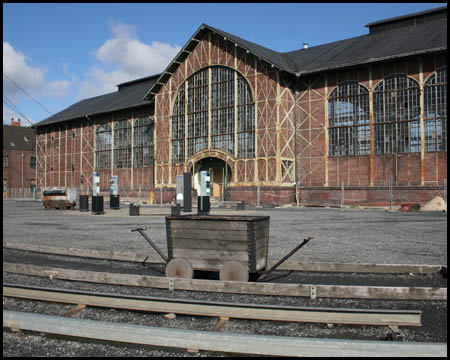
(396, 105)
(348, 120)
(435, 111)
(122, 145)
(197, 112)
(143, 142)
(222, 108)
(103, 147)
(219, 97)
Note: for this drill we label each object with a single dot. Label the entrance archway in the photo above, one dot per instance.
(219, 172)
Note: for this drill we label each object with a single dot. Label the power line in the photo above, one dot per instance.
(14, 108)
(17, 111)
(37, 102)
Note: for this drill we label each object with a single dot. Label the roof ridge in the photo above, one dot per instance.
(406, 16)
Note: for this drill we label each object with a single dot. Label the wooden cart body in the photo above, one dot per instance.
(207, 242)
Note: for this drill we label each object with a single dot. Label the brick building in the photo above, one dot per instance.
(363, 113)
(19, 158)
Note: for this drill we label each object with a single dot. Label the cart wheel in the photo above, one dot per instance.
(179, 268)
(233, 271)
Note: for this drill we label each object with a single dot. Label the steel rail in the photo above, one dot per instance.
(289, 265)
(219, 309)
(214, 341)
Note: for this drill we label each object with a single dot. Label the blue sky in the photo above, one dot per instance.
(57, 54)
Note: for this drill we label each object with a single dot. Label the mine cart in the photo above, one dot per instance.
(236, 246)
(60, 198)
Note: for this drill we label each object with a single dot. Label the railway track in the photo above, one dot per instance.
(343, 317)
(317, 284)
(214, 340)
(202, 340)
(215, 309)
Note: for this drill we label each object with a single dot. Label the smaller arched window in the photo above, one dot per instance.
(435, 111)
(143, 142)
(348, 120)
(396, 107)
(122, 145)
(246, 119)
(103, 142)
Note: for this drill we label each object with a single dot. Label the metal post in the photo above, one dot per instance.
(161, 196)
(445, 194)
(22, 173)
(258, 195)
(139, 201)
(342, 195)
(390, 195)
(187, 192)
(223, 182)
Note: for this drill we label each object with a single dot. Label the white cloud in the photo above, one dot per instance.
(30, 78)
(123, 58)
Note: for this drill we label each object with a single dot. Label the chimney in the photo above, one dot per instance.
(15, 123)
(305, 45)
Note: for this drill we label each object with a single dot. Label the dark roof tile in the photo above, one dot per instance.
(430, 36)
(16, 135)
(128, 96)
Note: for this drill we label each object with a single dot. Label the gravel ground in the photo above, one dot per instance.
(340, 235)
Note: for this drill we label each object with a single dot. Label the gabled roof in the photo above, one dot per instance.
(390, 44)
(130, 94)
(272, 57)
(421, 38)
(417, 17)
(14, 138)
(428, 35)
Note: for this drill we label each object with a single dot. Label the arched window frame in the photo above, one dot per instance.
(178, 120)
(348, 120)
(216, 96)
(122, 144)
(246, 119)
(103, 146)
(396, 113)
(435, 111)
(143, 142)
(222, 108)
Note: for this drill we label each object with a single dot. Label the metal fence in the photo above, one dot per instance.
(22, 193)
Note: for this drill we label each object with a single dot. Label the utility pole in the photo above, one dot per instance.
(22, 174)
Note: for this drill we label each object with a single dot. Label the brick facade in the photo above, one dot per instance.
(291, 136)
(19, 157)
(66, 152)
